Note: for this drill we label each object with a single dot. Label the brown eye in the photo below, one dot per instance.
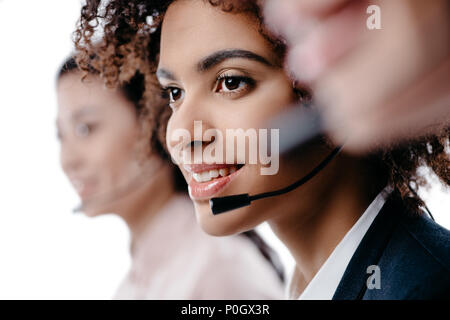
(234, 84)
(175, 94)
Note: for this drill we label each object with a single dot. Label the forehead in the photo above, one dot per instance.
(89, 97)
(193, 29)
(72, 87)
(73, 94)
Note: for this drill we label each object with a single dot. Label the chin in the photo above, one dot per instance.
(92, 211)
(224, 224)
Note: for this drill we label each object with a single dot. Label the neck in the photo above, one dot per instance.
(313, 231)
(146, 205)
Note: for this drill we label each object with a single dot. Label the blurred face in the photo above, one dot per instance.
(98, 131)
(217, 68)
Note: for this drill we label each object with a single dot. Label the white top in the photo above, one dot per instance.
(177, 260)
(325, 282)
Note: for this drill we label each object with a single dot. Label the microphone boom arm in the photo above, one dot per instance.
(227, 203)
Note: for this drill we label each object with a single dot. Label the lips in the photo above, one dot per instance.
(209, 179)
(84, 187)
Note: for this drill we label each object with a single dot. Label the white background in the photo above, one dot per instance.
(46, 251)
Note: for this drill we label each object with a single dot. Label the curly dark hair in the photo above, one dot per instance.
(130, 40)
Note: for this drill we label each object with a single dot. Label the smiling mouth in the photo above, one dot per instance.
(83, 188)
(209, 175)
(208, 180)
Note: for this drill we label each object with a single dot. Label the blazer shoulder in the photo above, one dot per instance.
(415, 263)
(412, 254)
(433, 238)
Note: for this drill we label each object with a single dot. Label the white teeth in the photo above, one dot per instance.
(211, 174)
(205, 176)
(214, 173)
(197, 177)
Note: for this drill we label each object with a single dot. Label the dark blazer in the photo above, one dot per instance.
(412, 253)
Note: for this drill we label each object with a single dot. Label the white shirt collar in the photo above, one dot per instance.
(326, 280)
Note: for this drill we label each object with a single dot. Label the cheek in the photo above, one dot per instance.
(169, 131)
(177, 137)
(116, 155)
(269, 99)
(276, 96)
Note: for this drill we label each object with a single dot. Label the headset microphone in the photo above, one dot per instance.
(224, 204)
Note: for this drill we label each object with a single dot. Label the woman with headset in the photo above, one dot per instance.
(114, 168)
(356, 229)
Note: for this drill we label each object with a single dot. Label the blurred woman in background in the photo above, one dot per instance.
(115, 169)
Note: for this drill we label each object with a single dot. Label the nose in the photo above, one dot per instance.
(189, 130)
(70, 157)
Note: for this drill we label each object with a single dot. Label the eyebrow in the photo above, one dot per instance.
(219, 56)
(82, 112)
(163, 73)
(214, 59)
